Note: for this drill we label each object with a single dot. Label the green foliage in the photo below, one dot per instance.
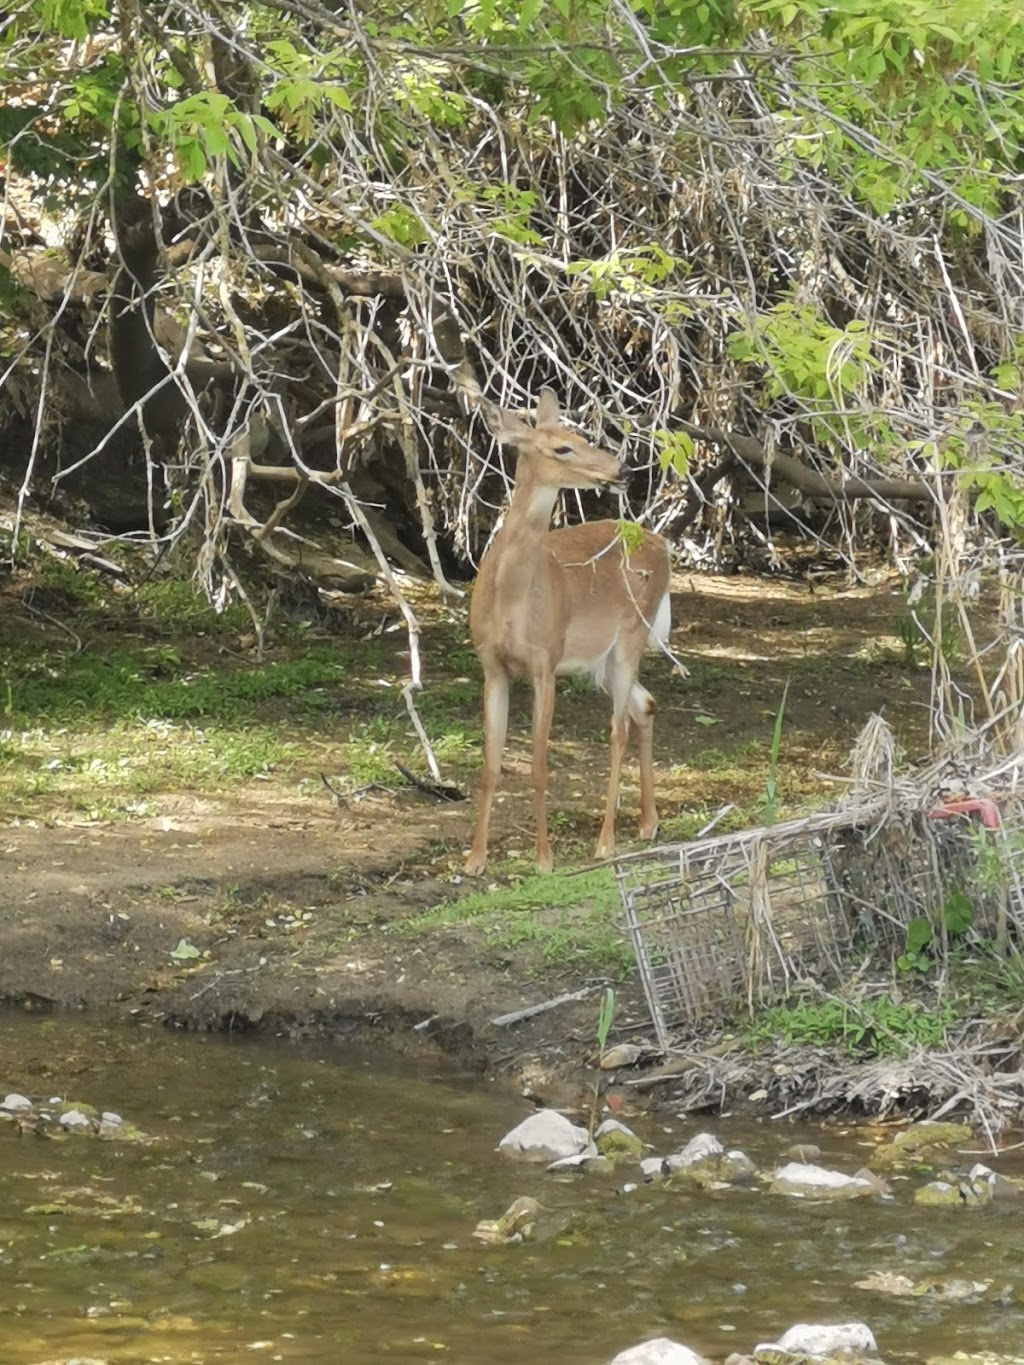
(604, 1019)
(770, 798)
(957, 919)
(977, 449)
(205, 126)
(675, 451)
(605, 1015)
(72, 18)
(153, 684)
(401, 225)
(637, 272)
(873, 1028)
(890, 112)
(912, 639)
(512, 208)
(804, 355)
(919, 935)
(631, 536)
(91, 109)
(992, 979)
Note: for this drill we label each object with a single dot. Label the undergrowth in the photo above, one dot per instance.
(870, 1027)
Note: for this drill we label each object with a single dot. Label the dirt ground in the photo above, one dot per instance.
(291, 897)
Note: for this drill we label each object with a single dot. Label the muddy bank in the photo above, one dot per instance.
(263, 919)
(224, 917)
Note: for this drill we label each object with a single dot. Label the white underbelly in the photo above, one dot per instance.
(594, 668)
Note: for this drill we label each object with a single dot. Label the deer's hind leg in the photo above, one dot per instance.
(641, 716)
(617, 682)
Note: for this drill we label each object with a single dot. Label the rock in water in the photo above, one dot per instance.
(615, 1139)
(699, 1148)
(544, 1136)
(817, 1182)
(825, 1340)
(659, 1351)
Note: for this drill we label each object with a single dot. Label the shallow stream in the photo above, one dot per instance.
(318, 1206)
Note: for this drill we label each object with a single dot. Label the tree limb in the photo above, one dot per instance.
(804, 480)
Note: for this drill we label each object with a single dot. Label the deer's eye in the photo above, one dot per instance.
(564, 452)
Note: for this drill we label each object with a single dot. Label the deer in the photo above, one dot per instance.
(576, 600)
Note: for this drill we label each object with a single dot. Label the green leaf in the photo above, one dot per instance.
(676, 451)
(246, 132)
(957, 913)
(631, 536)
(192, 159)
(215, 140)
(919, 934)
(338, 96)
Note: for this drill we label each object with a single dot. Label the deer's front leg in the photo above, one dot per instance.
(543, 708)
(495, 728)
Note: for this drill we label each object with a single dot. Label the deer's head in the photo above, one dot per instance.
(550, 453)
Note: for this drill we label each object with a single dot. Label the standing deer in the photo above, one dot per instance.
(568, 601)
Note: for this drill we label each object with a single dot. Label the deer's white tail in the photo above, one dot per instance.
(662, 627)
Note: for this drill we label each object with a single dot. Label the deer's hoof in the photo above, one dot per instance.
(474, 865)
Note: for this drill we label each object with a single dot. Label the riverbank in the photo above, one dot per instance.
(196, 834)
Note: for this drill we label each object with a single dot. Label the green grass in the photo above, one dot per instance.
(110, 772)
(99, 728)
(875, 1027)
(155, 683)
(570, 918)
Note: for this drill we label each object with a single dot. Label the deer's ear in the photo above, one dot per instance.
(507, 428)
(548, 414)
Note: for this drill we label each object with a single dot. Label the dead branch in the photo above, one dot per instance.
(804, 480)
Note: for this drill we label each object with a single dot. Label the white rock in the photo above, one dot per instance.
(74, 1118)
(111, 1119)
(659, 1351)
(651, 1166)
(738, 1166)
(590, 1159)
(827, 1340)
(613, 1126)
(623, 1054)
(699, 1148)
(15, 1101)
(797, 1178)
(544, 1136)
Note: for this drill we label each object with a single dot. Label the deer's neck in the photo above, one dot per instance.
(529, 513)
